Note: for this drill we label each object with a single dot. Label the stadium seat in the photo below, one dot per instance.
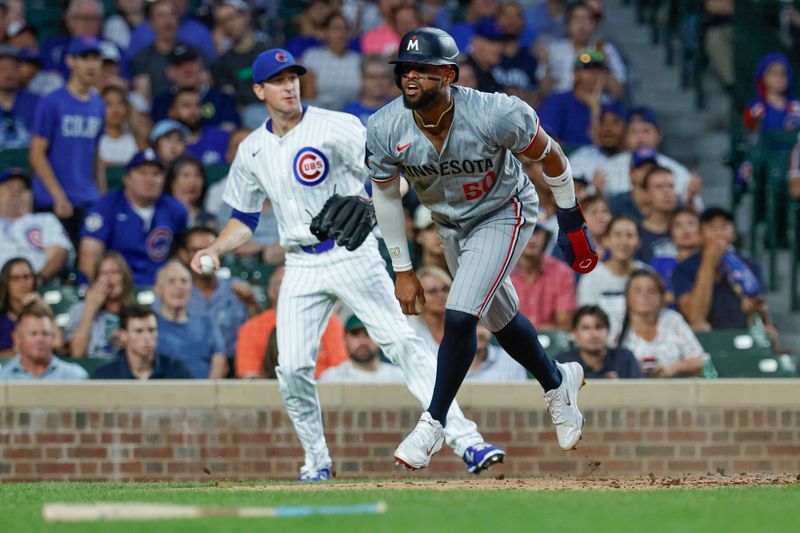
(555, 342)
(17, 157)
(737, 354)
(60, 300)
(215, 173)
(114, 177)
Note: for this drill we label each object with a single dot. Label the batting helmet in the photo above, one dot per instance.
(427, 46)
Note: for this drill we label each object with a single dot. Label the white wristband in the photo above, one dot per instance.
(392, 223)
(563, 187)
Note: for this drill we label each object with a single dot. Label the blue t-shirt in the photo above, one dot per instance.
(6, 330)
(726, 306)
(360, 110)
(565, 117)
(228, 312)
(517, 71)
(190, 32)
(192, 342)
(113, 221)
(163, 368)
(622, 205)
(654, 245)
(211, 146)
(216, 106)
(73, 128)
(16, 125)
(665, 266)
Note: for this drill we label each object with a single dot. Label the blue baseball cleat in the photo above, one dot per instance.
(315, 476)
(481, 456)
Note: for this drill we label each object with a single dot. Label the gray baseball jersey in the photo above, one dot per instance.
(476, 172)
(482, 202)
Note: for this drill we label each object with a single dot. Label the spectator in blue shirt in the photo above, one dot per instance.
(82, 18)
(140, 360)
(139, 221)
(517, 69)
(64, 151)
(34, 337)
(185, 71)
(230, 302)
(568, 116)
(189, 30)
(708, 284)
(206, 143)
(376, 88)
(590, 329)
(17, 106)
(192, 338)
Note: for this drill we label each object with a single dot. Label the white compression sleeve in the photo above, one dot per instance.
(563, 187)
(392, 222)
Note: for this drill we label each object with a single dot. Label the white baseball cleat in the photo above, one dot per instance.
(417, 448)
(562, 404)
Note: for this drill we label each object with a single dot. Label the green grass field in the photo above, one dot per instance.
(747, 509)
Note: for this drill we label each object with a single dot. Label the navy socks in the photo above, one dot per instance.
(520, 340)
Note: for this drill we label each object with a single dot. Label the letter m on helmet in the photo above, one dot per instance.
(413, 44)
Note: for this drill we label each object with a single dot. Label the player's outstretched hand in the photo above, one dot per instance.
(196, 264)
(574, 240)
(408, 291)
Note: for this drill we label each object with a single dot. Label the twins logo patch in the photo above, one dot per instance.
(158, 245)
(34, 236)
(310, 166)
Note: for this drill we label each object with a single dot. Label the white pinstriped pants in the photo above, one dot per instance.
(311, 285)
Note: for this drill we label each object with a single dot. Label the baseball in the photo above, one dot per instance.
(207, 265)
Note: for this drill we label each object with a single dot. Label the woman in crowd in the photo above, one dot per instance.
(660, 338)
(186, 182)
(17, 290)
(598, 215)
(429, 324)
(605, 285)
(93, 324)
(117, 144)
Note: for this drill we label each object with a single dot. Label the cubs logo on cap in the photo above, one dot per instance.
(272, 62)
(310, 166)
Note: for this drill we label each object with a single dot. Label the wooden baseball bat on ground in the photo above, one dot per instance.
(95, 512)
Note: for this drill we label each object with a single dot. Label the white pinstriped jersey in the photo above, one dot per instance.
(322, 154)
(476, 172)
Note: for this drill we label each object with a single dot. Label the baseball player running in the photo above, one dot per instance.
(300, 158)
(456, 146)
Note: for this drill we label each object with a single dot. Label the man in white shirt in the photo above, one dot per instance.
(364, 365)
(38, 237)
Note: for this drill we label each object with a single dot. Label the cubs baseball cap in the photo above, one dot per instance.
(615, 108)
(183, 53)
(353, 323)
(15, 173)
(273, 61)
(711, 213)
(488, 28)
(109, 52)
(644, 114)
(167, 126)
(641, 156)
(591, 58)
(81, 46)
(145, 157)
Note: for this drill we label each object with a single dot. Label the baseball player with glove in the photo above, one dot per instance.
(310, 163)
(457, 148)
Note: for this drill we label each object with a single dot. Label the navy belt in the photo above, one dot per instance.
(318, 248)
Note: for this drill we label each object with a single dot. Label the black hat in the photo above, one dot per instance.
(711, 213)
(183, 53)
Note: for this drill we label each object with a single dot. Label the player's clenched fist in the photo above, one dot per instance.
(408, 291)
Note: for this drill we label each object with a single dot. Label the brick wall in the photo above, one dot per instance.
(218, 431)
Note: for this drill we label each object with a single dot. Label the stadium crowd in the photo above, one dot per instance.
(128, 120)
